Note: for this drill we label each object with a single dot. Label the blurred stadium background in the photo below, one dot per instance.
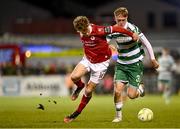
(39, 46)
(37, 38)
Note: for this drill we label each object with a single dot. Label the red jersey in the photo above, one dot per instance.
(96, 47)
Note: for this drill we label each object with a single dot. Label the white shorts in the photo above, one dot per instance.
(97, 70)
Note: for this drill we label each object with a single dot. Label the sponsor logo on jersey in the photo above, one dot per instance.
(92, 38)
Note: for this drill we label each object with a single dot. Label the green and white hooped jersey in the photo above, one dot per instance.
(129, 52)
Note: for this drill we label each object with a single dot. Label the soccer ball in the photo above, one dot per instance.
(145, 114)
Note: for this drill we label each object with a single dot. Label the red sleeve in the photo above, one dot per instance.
(102, 30)
(121, 30)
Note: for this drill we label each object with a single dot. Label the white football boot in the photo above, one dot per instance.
(118, 118)
(141, 89)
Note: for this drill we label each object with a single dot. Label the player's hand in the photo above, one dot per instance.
(135, 37)
(155, 63)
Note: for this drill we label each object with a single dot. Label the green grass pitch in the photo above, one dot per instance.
(22, 112)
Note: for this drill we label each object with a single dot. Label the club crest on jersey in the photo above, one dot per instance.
(92, 38)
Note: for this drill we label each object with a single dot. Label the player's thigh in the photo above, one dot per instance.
(161, 85)
(168, 84)
(135, 74)
(120, 74)
(79, 71)
(98, 71)
(96, 76)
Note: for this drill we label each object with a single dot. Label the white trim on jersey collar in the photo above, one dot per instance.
(90, 28)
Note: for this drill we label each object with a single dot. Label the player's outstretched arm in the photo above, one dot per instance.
(113, 29)
(134, 36)
(150, 51)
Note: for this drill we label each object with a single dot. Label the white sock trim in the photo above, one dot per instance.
(119, 105)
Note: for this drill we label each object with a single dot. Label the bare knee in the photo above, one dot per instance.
(118, 88)
(89, 89)
(117, 94)
(132, 93)
(132, 96)
(88, 92)
(74, 77)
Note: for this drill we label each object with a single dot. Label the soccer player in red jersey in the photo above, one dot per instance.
(97, 54)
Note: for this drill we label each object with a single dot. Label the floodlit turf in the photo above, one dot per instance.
(18, 112)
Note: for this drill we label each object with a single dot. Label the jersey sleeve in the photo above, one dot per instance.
(148, 46)
(112, 29)
(121, 30)
(102, 30)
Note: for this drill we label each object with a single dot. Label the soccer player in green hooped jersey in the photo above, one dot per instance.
(129, 65)
(167, 66)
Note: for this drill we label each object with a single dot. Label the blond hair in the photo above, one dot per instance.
(121, 11)
(81, 22)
